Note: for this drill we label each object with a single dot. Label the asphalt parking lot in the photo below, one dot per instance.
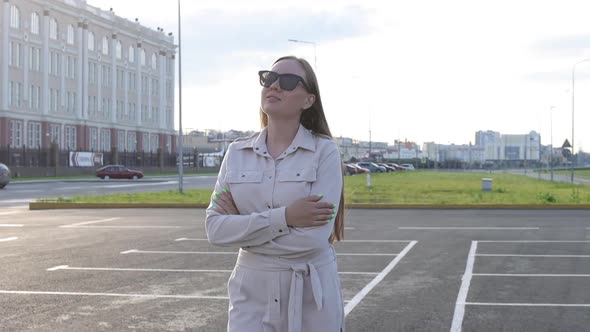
(401, 270)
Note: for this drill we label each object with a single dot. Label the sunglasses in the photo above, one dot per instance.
(286, 81)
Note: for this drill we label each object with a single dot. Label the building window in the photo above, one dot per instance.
(121, 140)
(54, 64)
(16, 134)
(34, 135)
(71, 138)
(54, 132)
(131, 54)
(154, 61)
(145, 144)
(105, 46)
(35, 23)
(131, 141)
(53, 28)
(70, 38)
(119, 50)
(34, 97)
(15, 94)
(154, 142)
(169, 144)
(143, 57)
(105, 140)
(14, 17)
(93, 139)
(14, 54)
(35, 59)
(91, 41)
(71, 62)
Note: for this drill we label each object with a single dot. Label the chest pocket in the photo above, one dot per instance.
(298, 175)
(244, 176)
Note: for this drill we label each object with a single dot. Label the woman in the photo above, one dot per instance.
(279, 198)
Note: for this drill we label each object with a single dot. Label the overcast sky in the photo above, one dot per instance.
(418, 70)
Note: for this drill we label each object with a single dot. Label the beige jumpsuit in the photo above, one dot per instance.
(285, 278)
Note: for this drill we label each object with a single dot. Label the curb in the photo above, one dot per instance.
(386, 206)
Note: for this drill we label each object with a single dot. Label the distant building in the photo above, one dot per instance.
(84, 79)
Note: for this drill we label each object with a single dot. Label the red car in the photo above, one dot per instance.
(118, 172)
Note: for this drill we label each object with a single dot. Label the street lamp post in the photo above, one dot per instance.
(573, 108)
(551, 133)
(180, 154)
(315, 63)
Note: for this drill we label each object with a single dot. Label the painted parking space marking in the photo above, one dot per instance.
(147, 296)
(90, 222)
(136, 251)
(459, 313)
(528, 275)
(462, 302)
(12, 225)
(345, 241)
(9, 239)
(360, 295)
(72, 268)
(126, 227)
(468, 228)
(533, 241)
(546, 256)
(7, 213)
(583, 305)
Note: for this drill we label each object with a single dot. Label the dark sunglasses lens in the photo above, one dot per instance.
(289, 82)
(267, 78)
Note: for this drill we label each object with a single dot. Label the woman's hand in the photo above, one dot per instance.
(309, 212)
(223, 202)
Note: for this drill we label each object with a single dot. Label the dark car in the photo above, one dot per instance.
(374, 168)
(4, 175)
(387, 167)
(118, 172)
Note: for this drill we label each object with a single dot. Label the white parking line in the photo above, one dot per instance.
(528, 275)
(529, 304)
(6, 213)
(462, 297)
(468, 228)
(12, 225)
(148, 296)
(360, 295)
(124, 227)
(533, 241)
(351, 241)
(552, 256)
(9, 239)
(67, 267)
(91, 222)
(135, 251)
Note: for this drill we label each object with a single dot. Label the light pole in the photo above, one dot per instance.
(551, 133)
(180, 154)
(315, 63)
(573, 107)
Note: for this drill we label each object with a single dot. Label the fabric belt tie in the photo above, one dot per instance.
(296, 293)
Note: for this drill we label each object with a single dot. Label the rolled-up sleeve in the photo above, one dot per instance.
(242, 230)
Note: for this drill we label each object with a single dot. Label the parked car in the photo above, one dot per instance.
(408, 167)
(360, 170)
(374, 168)
(118, 172)
(387, 167)
(396, 166)
(4, 175)
(350, 170)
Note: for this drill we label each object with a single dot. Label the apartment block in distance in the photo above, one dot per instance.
(83, 79)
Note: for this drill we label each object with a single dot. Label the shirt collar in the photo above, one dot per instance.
(303, 139)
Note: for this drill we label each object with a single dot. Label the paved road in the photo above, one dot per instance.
(150, 270)
(21, 193)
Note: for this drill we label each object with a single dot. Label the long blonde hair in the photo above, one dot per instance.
(314, 119)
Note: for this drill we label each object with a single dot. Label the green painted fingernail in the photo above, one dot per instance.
(321, 195)
(224, 190)
(333, 206)
(214, 206)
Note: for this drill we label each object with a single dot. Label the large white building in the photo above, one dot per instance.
(83, 78)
